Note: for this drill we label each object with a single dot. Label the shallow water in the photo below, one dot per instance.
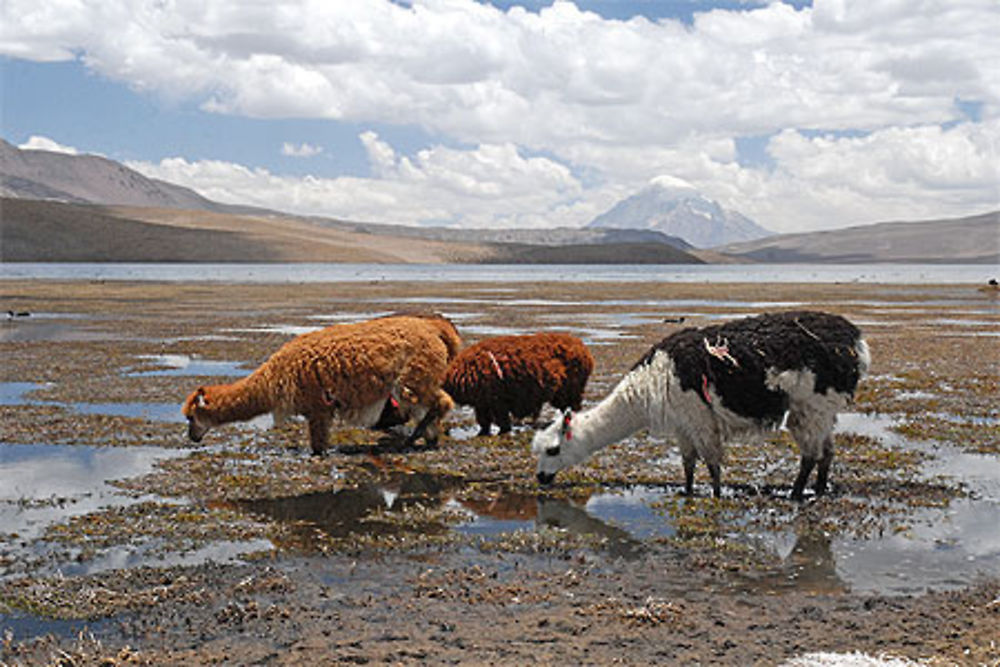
(42, 484)
(184, 365)
(18, 393)
(946, 547)
(15, 393)
(498, 273)
(58, 327)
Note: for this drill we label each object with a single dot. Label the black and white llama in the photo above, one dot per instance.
(705, 385)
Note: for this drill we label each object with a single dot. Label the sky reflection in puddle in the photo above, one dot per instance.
(15, 393)
(945, 547)
(43, 485)
(163, 412)
(18, 393)
(186, 365)
(52, 327)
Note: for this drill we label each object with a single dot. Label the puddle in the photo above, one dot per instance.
(163, 412)
(433, 300)
(16, 393)
(283, 329)
(337, 318)
(486, 330)
(152, 554)
(43, 484)
(354, 511)
(946, 547)
(60, 327)
(22, 627)
(603, 328)
(621, 520)
(13, 393)
(183, 365)
(943, 548)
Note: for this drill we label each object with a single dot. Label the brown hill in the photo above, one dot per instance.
(36, 174)
(593, 253)
(42, 231)
(974, 240)
(47, 231)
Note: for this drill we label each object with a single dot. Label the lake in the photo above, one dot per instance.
(507, 273)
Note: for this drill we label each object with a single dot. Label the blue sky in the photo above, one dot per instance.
(801, 115)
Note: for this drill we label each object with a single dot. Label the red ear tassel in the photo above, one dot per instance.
(567, 431)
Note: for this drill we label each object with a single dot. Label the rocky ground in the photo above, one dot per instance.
(249, 550)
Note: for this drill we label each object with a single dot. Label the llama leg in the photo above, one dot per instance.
(484, 420)
(432, 433)
(440, 406)
(712, 455)
(319, 431)
(689, 455)
(689, 463)
(823, 470)
(805, 467)
(421, 428)
(715, 471)
(811, 425)
(503, 421)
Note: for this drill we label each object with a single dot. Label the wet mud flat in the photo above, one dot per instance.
(120, 541)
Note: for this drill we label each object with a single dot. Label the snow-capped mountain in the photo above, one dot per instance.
(674, 207)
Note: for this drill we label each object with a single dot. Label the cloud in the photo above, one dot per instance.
(37, 143)
(480, 74)
(817, 181)
(844, 88)
(300, 150)
(491, 185)
(824, 181)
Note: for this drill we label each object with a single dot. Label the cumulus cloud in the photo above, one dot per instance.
(37, 143)
(304, 149)
(492, 185)
(854, 95)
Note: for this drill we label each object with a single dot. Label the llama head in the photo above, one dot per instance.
(197, 410)
(555, 448)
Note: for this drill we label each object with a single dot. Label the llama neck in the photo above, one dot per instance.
(241, 400)
(617, 416)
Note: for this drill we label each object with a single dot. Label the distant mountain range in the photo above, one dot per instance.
(971, 240)
(90, 179)
(59, 207)
(675, 208)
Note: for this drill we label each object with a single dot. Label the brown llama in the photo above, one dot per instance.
(514, 376)
(349, 372)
